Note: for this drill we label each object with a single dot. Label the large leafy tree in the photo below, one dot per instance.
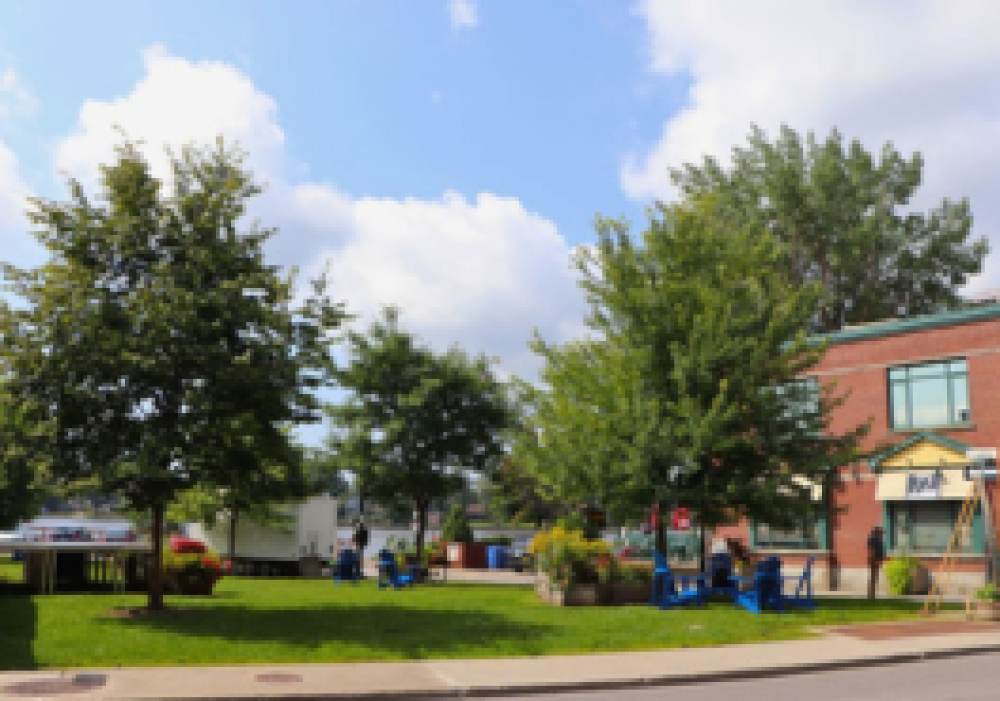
(686, 392)
(165, 351)
(847, 222)
(515, 494)
(415, 418)
(24, 471)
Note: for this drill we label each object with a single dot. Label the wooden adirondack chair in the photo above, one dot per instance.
(666, 595)
(766, 592)
(803, 596)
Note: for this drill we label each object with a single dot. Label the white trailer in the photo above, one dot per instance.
(296, 548)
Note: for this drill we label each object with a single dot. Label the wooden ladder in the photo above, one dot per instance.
(932, 604)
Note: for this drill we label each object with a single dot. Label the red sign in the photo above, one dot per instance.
(680, 519)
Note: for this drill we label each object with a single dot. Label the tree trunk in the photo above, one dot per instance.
(661, 538)
(233, 520)
(155, 602)
(421, 527)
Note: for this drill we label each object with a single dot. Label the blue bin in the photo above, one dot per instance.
(496, 556)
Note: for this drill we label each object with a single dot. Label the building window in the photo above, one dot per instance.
(929, 395)
(805, 537)
(926, 527)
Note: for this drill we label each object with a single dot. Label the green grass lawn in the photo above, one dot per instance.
(281, 620)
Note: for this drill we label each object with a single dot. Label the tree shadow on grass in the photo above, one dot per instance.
(368, 631)
(18, 626)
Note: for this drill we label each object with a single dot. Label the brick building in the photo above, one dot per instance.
(931, 387)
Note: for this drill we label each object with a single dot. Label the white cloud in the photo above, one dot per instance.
(17, 244)
(479, 273)
(463, 14)
(15, 99)
(176, 102)
(924, 75)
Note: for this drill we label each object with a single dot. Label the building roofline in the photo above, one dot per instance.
(875, 463)
(893, 327)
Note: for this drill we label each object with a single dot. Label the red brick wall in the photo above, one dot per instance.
(859, 370)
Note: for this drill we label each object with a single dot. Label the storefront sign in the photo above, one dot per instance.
(924, 485)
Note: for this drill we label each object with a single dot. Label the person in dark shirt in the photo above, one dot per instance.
(876, 554)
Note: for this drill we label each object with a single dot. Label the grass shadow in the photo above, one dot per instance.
(379, 630)
(19, 622)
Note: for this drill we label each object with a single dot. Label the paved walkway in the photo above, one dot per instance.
(838, 647)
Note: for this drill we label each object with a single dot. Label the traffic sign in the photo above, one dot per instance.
(681, 519)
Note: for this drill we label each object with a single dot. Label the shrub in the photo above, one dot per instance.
(988, 593)
(899, 573)
(567, 558)
(193, 568)
(633, 572)
(457, 528)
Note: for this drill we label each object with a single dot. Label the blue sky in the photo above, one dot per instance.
(448, 155)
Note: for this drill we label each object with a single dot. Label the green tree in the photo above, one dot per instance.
(515, 494)
(685, 394)
(846, 222)
(415, 418)
(24, 472)
(158, 340)
(457, 528)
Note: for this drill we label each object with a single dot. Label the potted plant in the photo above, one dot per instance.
(463, 551)
(572, 570)
(988, 602)
(192, 573)
(905, 574)
(633, 584)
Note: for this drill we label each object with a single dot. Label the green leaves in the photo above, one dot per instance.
(415, 418)
(841, 217)
(667, 403)
(139, 345)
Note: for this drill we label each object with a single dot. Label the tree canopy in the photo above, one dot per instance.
(165, 352)
(415, 418)
(686, 393)
(847, 222)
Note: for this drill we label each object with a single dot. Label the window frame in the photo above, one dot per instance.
(947, 374)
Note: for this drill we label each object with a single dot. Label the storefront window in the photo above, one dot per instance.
(929, 395)
(926, 527)
(804, 538)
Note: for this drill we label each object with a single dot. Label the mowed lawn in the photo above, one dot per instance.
(297, 620)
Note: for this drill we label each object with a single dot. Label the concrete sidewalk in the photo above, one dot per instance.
(839, 647)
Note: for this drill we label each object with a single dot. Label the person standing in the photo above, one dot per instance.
(361, 542)
(876, 554)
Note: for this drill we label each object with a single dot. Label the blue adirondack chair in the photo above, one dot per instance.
(388, 572)
(766, 592)
(666, 594)
(347, 567)
(720, 579)
(803, 595)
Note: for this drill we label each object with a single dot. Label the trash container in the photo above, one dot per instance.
(496, 557)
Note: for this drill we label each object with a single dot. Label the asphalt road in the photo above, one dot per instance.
(970, 678)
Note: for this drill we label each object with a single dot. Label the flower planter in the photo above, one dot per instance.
(631, 592)
(467, 555)
(188, 587)
(576, 594)
(987, 610)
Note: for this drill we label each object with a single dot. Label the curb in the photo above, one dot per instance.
(613, 684)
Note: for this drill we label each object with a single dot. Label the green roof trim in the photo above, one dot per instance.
(943, 441)
(892, 327)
